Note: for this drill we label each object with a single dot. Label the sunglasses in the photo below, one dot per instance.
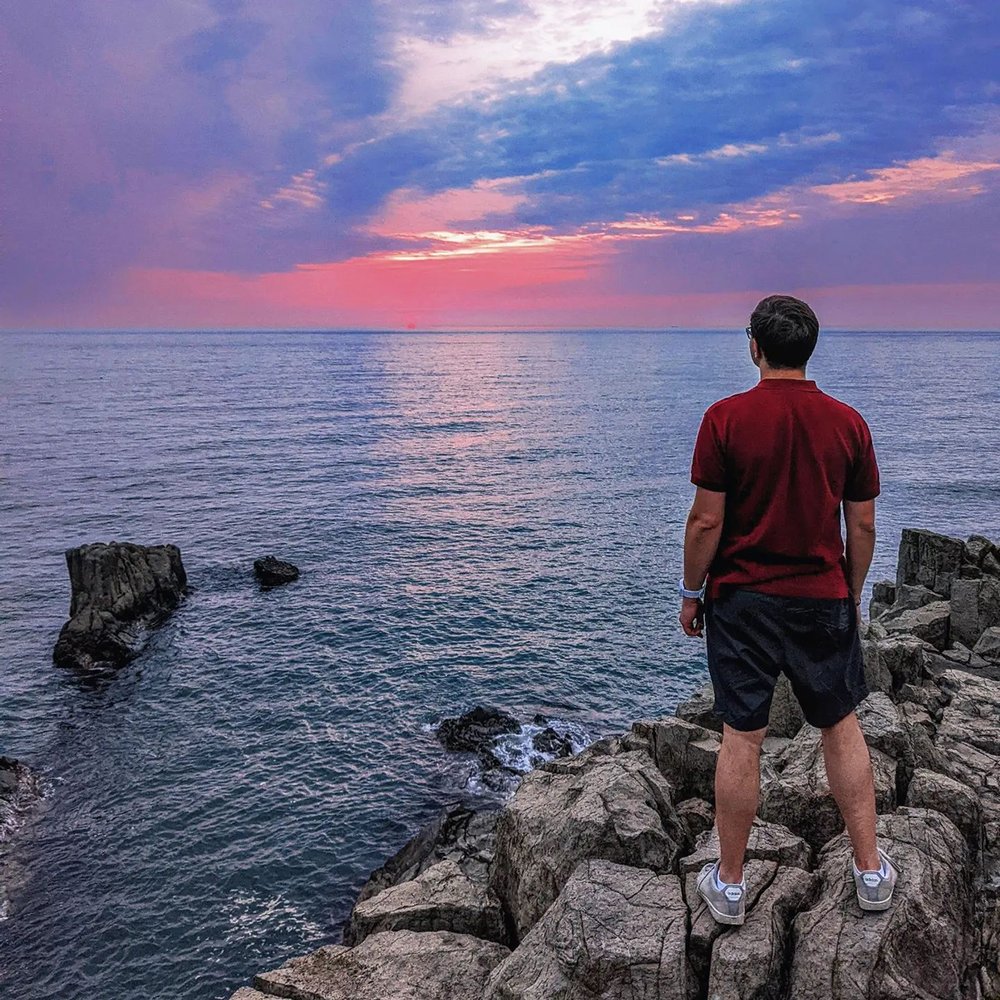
(749, 333)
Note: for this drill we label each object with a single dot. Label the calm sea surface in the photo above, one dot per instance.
(478, 518)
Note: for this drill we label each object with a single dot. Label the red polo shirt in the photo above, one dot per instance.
(785, 454)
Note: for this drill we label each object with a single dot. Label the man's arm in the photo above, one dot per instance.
(859, 519)
(701, 540)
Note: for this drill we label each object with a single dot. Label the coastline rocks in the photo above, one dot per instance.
(272, 572)
(988, 646)
(684, 753)
(118, 589)
(398, 965)
(440, 898)
(615, 932)
(476, 729)
(922, 947)
(928, 559)
(929, 622)
(785, 719)
(975, 607)
(612, 807)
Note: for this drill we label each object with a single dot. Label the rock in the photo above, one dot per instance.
(786, 717)
(684, 753)
(988, 646)
(977, 547)
(398, 965)
(922, 948)
(930, 790)
(617, 808)
(753, 963)
(440, 898)
(894, 660)
(929, 559)
(991, 564)
(911, 596)
(795, 792)
(699, 709)
(548, 741)
(476, 729)
(614, 933)
(118, 590)
(697, 815)
(884, 592)
(975, 607)
(968, 746)
(957, 652)
(880, 722)
(273, 572)
(768, 842)
(929, 623)
(457, 833)
(19, 791)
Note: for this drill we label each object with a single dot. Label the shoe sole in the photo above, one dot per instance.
(722, 918)
(874, 906)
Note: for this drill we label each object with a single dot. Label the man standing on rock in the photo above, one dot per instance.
(772, 468)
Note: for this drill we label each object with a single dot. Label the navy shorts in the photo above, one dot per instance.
(752, 637)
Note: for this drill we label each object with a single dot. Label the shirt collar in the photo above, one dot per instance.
(787, 383)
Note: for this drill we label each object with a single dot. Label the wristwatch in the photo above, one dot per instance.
(694, 594)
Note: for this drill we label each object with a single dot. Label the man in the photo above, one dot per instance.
(772, 467)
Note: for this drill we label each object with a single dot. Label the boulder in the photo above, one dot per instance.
(476, 729)
(929, 559)
(272, 572)
(459, 834)
(699, 709)
(697, 815)
(929, 623)
(911, 596)
(767, 842)
(553, 743)
(440, 898)
(613, 807)
(883, 597)
(685, 754)
(922, 948)
(893, 660)
(975, 607)
(397, 965)
(614, 933)
(977, 548)
(988, 646)
(753, 963)
(795, 791)
(930, 790)
(118, 590)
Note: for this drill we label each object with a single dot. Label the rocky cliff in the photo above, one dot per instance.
(582, 886)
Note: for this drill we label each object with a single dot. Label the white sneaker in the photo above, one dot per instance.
(875, 889)
(728, 904)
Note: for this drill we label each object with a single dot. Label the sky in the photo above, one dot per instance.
(431, 164)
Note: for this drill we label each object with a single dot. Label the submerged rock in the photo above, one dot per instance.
(118, 590)
(476, 729)
(272, 572)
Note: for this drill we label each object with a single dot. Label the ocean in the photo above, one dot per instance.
(479, 518)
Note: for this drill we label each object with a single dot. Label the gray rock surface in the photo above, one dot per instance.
(399, 965)
(440, 898)
(929, 623)
(795, 791)
(272, 572)
(988, 646)
(614, 933)
(929, 559)
(768, 842)
(975, 607)
(684, 753)
(117, 590)
(922, 948)
(753, 962)
(612, 807)
(893, 660)
(699, 709)
(930, 790)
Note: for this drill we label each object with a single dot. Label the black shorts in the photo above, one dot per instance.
(752, 637)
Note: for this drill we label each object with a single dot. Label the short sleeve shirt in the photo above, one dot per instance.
(786, 455)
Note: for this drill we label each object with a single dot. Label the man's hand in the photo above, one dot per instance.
(692, 616)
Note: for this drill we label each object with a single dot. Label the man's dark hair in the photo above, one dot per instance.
(785, 329)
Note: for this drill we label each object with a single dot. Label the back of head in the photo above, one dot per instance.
(785, 329)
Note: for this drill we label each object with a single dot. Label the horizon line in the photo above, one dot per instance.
(468, 329)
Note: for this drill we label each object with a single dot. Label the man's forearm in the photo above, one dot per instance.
(859, 550)
(701, 542)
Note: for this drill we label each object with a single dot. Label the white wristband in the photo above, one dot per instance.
(694, 594)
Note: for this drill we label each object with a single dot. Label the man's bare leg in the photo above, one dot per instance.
(849, 771)
(737, 790)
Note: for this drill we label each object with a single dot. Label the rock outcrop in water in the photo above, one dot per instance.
(590, 866)
(272, 572)
(19, 793)
(119, 589)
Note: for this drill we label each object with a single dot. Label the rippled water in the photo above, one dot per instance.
(478, 518)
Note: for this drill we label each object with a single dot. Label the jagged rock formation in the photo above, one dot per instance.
(272, 572)
(118, 590)
(589, 870)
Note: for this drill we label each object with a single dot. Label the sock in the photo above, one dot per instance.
(719, 884)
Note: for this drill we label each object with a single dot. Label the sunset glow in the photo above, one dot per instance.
(647, 163)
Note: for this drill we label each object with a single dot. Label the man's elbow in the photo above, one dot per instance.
(704, 521)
